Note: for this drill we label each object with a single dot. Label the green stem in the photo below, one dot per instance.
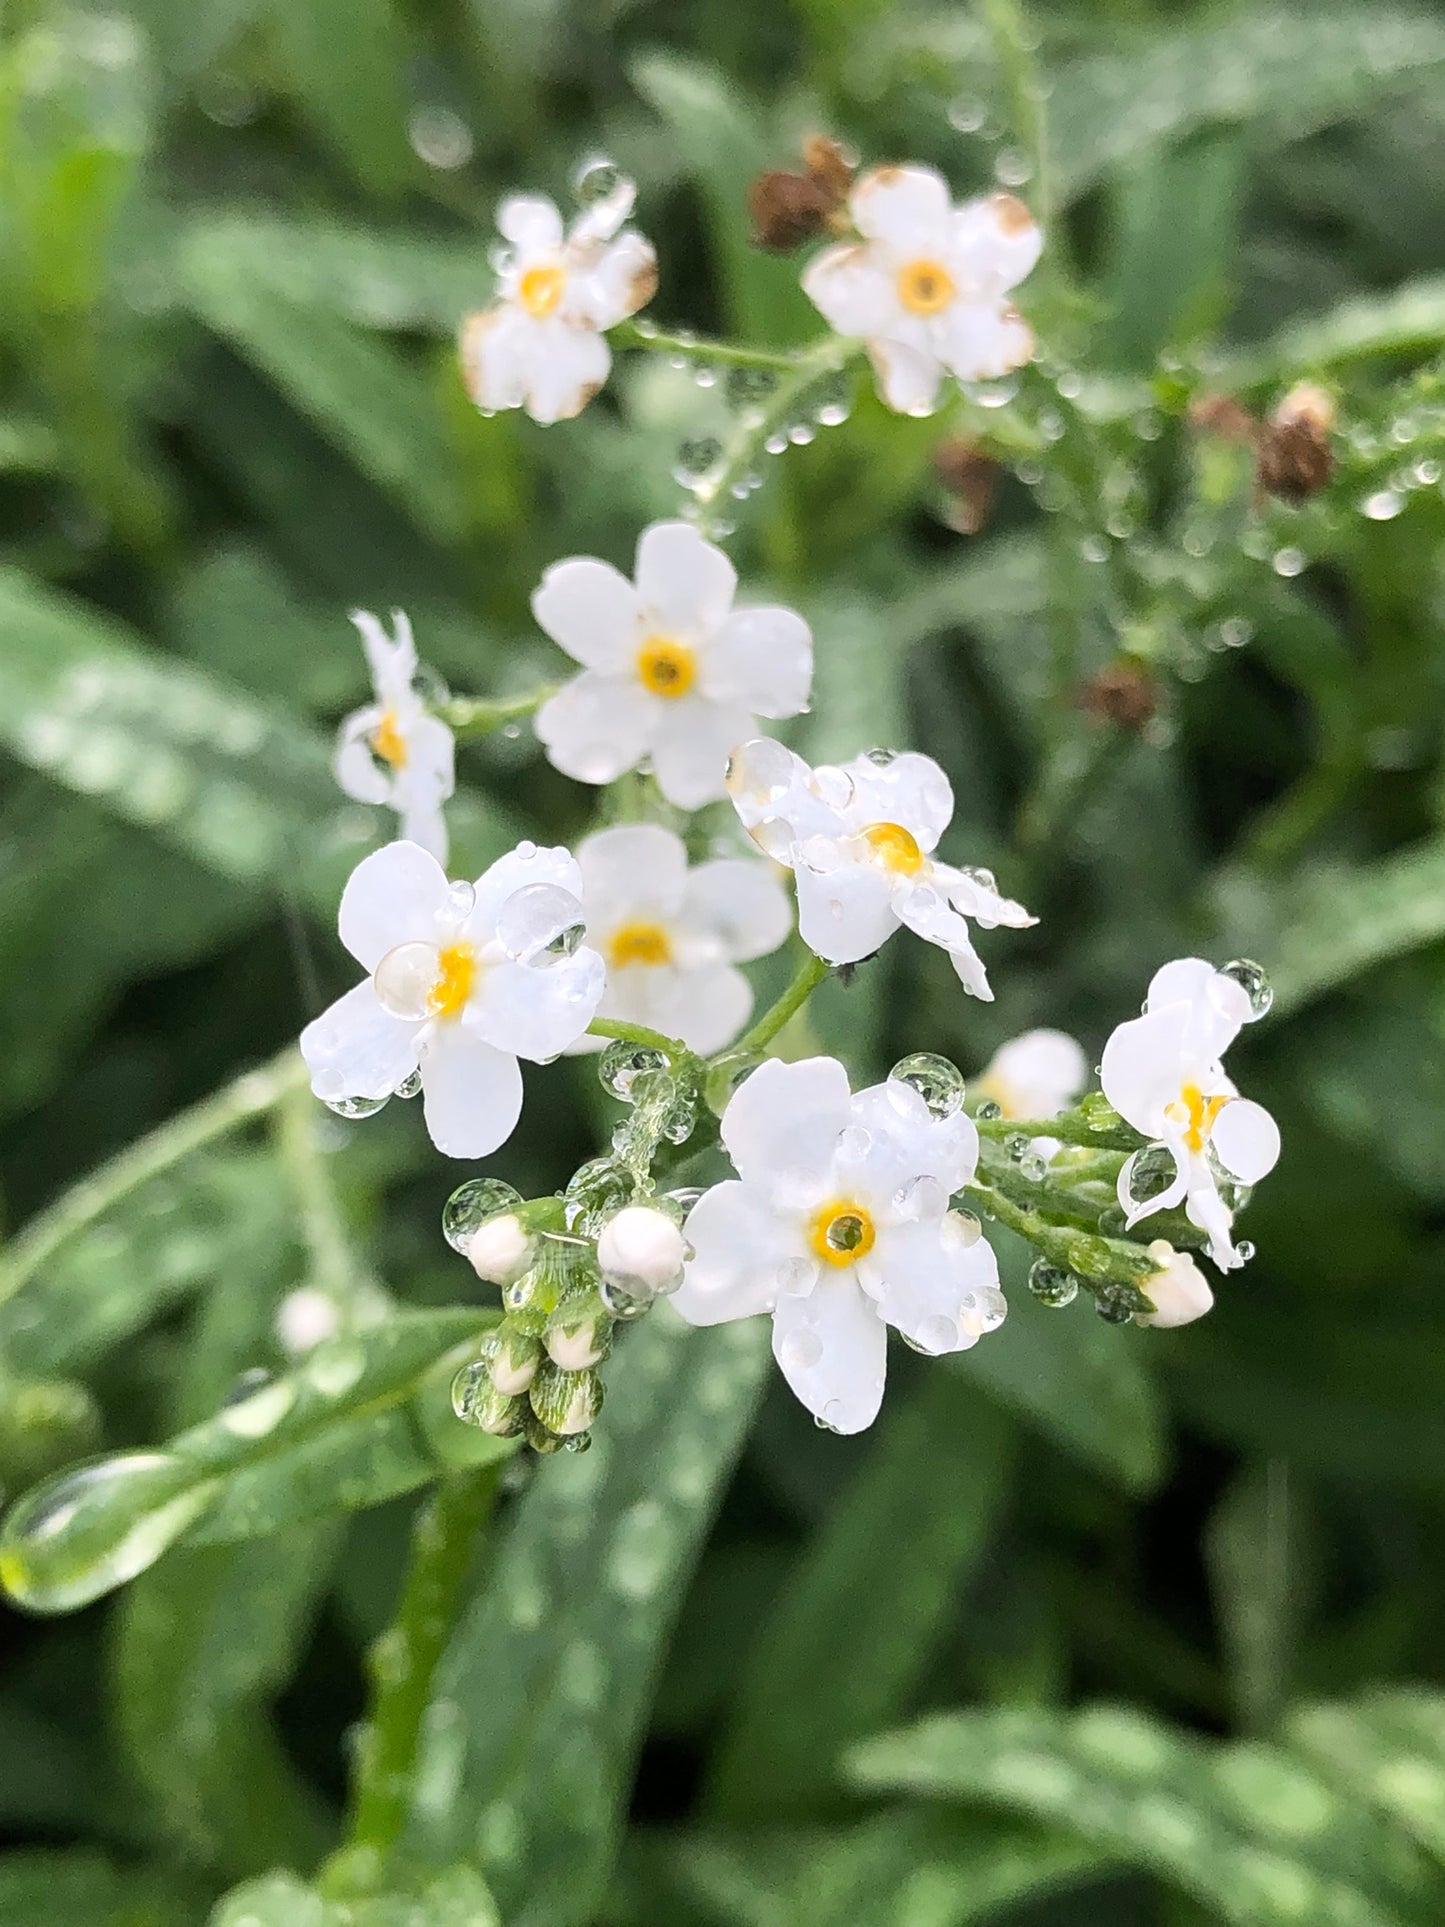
(1096, 1261)
(334, 1267)
(1069, 1127)
(403, 1661)
(744, 447)
(76, 1210)
(637, 1034)
(469, 716)
(722, 354)
(810, 974)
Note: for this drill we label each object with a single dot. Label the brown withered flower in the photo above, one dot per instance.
(1224, 416)
(1294, 459)
(788, 209)
(1124, 694)
(971, 479)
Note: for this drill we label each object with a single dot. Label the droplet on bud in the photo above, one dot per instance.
(623, 1063)
(1051, 1284)
(469, 1207)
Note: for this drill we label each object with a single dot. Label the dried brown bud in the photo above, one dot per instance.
(788, 209)
(971, 479)
(1222, 415)
(1124, 694)
(1295, 459)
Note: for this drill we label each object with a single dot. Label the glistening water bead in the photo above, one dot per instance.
(471, 1204)
(938, 1082)
(1254, 983)
(1051, 1284)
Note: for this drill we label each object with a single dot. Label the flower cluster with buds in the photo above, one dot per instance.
(851, 1210)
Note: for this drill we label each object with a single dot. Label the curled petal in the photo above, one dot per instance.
(1167, 1199)
(391, 660)
(353, 765)
(832, 1349)
(471, 1093)
(980, 901)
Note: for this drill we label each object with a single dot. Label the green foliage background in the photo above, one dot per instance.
(1096, 1624)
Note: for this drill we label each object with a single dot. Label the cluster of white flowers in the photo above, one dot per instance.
(844, 1216)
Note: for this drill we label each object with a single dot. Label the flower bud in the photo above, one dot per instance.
(641, 1251)
(565, 1402)
(1124, 694)
(788, 209)
(1222, 415)
(515, 1360)
(578, 1335)
(500, 1249)
(1295, 459)
(1178, 1289)
(970, 478)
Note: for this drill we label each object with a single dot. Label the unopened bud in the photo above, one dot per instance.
(578, 1335)
(1222, 415)
(971, 479)
(641, 1252)
(565, 1402)
(1295, 459)
(1178, 1289)
(1124, 693)
(514, 1362)
(788, 209)
(501, 1249)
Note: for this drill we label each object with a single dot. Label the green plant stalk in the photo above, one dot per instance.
(1058, 1202)
(829, 355)
(1121, 1263)
(1014, 48)
(613, 1027)
(809, 975)
(1069, 1127)
(722, 354)
(334, 1266)
(472, 716)
(250, 1096)
(403, 1661)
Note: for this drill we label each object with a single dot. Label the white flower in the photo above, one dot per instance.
(1162, 1073)
(925, 286)
(838, 1223)
(1035, 1075)
(859, 841)
(670, 670)
(673, 937)
(640, 1251)
(542, 346)
(463, 980)
(1178, 1288)
(395, 751)
(306, 1318)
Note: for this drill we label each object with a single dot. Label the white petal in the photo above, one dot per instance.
(908, 378)
(619, 282)
(496, 349)
(471, 1093)
(773, 792)
(744, 903)
(566, 366)
(905, 1142)
(633, 869)
(1179, 1290)
(1037, 1074)
(396, 895)
(1141, 1069)
(684, 582)
(930, 916)
(852, 290)
(530, 222)
(1204, 1206)
(425, 824)
(923, 1280)
(518, 870)
(1166, 1200)
(392, 662)
(909, 789)
(845, 914)
(740, 1244)
(592, 611)
(353, 765)
(597, 726)
(1219, 1008)
(1185, 981)
(536, 1010)
(783, 1123)
(706, 1007)
(980, 341)
(996, 243)
(909, 208)
(761, 659)
(691, 747)
(1246, 1140)
(833, 1350)
(979, 900)
(357, 1049)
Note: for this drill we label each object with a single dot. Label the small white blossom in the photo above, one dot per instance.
(1162, 1073)
(501, 1249)
(838, 1223)
(1034, 1075)
(306, 1318)
(394, 750)
(672, 937)
(463, 979)
(671, 672)
(859, 841)
(1178, 1288)
(542, 346)
(925, 286)
(640, 1251)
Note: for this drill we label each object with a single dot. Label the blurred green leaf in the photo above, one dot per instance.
(457, 1898)
(1256, 1549)
(1407, 320)
(82, 1890)
(1386, 1750)
(345, 65)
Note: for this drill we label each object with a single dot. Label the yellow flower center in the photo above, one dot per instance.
(639, 943)
(455, 980)
(841, 1232)
(388, 742)
(667, 667)
(892, 847)
(540, 290)
(1198, 1112)
(925, 287)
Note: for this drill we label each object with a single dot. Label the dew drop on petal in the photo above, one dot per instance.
(854, 1144)
(405, 978)
(354, 1107)
(540, 924)
(801, 1349)
(938, 1082)
(1254, 983)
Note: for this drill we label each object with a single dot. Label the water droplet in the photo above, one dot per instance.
(830, 1419)
(1013, 167)
(596, 1192)
(1151, 1172)
(540, 924)
(622, 1063)
(335, 1367)
(1094, 548)
(1051, 1284)
(1254, 983)
(261, 1412)
(405, 978)
(775, 443)
(440, 137)
(854, 1144)
(1115, 1304)
(801, 1349)
(471, 1204)
(938, 1082)
(409, 1086)
(461, 900)
(1289, 561)
(1383, 506)
(988, 394)
(922, 1199)
(1244, 1251)
(750, 387)
(697, 462)
(983, 1311)
(990, 1111)
(354, 1107)
(966, 114)
(934, 1336)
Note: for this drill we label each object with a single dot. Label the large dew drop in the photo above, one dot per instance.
(934, 1079)
(89, 1530)
(541, 924)
(469, 1207)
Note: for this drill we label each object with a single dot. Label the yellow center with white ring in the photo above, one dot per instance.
(666, 666)
(639, 943)
(388, 742)
(925, 287)
(455, 980)
(841, 1232)
(540, 290)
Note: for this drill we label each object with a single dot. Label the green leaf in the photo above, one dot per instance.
(1256, 1557)
(1281, 70)
(540, 1700)
(1387, 1750)
(358, 104)
(456, 1898)
(1407, 320)
(1085, 1384)
(940, 1463)
(1247, 1830)
(83, 1890)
